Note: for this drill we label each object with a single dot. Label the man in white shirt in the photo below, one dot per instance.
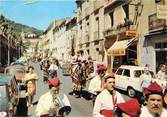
(95, 85)
(107, 100)
(145, 78)
(154, 102)
(48, 104)
(53, 69)
(161, 73)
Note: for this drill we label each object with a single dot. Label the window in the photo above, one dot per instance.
(164, 45)
(111, 18)
(158, 45)
(126, 72)
(161, 45)
(119, 72)
(126, 10)
(137, 73)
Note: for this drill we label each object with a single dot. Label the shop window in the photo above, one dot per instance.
(164, 45)
(126, 72)
(161, 45)
(157, 45)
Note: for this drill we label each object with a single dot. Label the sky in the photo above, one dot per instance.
(37, 13)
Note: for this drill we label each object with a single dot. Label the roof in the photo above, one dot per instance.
(132, 67)
(4, 79)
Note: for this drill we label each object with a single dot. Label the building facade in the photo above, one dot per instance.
(71, 31)
(90, 26)
(154, 49)
(60, 41)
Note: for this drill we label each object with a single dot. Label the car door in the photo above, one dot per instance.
(136, 81)
(125, 79)
(118, 78)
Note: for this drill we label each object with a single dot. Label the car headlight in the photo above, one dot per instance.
(3, 114)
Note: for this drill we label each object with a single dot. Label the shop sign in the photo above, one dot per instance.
(117, 52)
(131, 33)
(162, 11)
(155, 23)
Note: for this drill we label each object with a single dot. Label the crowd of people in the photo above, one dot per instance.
(107, 101)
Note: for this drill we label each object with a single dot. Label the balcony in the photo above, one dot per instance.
(123, 31)
(156, 24)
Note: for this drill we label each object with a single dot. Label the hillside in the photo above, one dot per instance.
(18, 28)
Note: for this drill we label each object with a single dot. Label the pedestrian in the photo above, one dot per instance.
(90, 68)
(53, 69)
(106, 102)
(162, 73)
(154, 102)
(45, 71)
(30, 79)
(131, 108)
(145, 78)
(95, 85)
(49, 103)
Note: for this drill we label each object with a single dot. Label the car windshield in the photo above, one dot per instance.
(13, 71)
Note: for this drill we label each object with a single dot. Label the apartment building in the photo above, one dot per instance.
(154, 49)
(90, 26)
(71, 31)
(60, 41)
(121, 32)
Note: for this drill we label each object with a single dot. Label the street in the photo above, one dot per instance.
(81, 107)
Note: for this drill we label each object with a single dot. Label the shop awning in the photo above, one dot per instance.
(119, 47)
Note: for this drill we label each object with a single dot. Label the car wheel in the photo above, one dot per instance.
(131, 92)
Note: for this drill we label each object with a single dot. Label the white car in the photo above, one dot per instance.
(127, 78)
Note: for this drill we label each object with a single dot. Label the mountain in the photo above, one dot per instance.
(18, 27)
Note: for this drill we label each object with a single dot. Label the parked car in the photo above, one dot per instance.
(18, 71)
(127, 78)
(9, 95)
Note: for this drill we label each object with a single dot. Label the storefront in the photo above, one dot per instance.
(123, 52)
(155, 43)
(157, 50)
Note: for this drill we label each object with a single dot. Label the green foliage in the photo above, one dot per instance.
(18, 28)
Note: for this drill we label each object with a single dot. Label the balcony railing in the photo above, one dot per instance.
(155, 24)
(123, 30)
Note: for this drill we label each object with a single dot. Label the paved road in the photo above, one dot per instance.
(81, 107)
